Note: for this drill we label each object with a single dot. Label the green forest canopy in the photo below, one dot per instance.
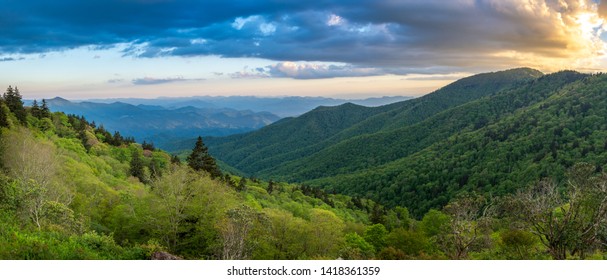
(72, 190)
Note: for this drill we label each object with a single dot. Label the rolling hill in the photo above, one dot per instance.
(69, 191)
(293, 139)
(423, 152)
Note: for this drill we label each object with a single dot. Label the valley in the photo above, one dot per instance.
(491, 166)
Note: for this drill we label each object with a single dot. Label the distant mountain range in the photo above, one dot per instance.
(160, 125)
(281, 106)
(171, 122)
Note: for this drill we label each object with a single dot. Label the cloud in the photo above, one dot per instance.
(247, 73)
(4, 59)
(157, 81)
(431, 77)
(115, 81)
(304, 71)
(359, 37)
(319, 71)
(602, 9)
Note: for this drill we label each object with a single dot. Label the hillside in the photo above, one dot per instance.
(72, 190)
(292, 139)
(540, 140)
(371, 150)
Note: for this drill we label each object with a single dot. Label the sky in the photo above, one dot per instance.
(336, 48)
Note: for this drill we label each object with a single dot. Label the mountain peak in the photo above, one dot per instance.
(58, 100)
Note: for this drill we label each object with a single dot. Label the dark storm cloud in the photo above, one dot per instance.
(41, 25)
(374, 37)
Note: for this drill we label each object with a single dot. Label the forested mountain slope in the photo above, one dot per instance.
(71, 190)
(294, 138)
(541, 139)
(371, 150)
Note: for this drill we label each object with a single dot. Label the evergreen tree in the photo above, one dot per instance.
(200, 159)
(175, 160)
(377, 215)
(242, 185)
(136, 169)
(105, 136)
(36, 111)
(228, 179)
(357, 202)
(12, 97)
(118, 139)
(45, 112)
(270, 186)
(148, 146)
(4, 111)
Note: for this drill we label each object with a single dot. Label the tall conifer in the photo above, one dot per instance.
(12, 97)
(200, 159)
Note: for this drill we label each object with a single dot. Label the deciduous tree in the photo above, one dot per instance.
(569, 223)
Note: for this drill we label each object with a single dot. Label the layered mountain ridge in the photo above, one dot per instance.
(490, 133)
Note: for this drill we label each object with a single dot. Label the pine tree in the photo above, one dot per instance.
(175, 160)
(136, 169)
(12, 97)
(45, 112)
(148, 146)
(270, 186)
(4, 111)
(377, 215)
(200, 160)
(242, 185)
(36, 112)
(118, 140)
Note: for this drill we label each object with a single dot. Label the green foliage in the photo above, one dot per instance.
(568, 221)
(513, 149)
(376, 235)
(45, 112)
(490, 133)
(12, 98)
(326, 234)
(357, 248)
(518, 244)
(35, 110)
(316, 145)
(136, 166)
(398, 217)
(412, 244)
(242, 184)
(434, 223)
(200, 160)
(56, 246)
(4, 115)
(67, 191)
